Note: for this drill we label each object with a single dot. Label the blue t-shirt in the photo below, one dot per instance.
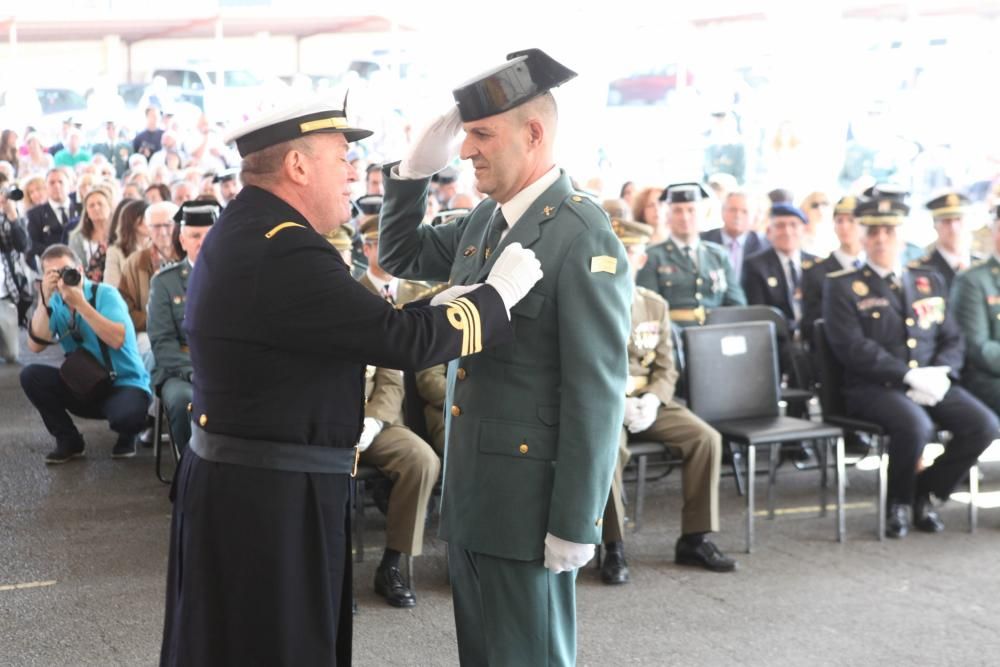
(126, 361)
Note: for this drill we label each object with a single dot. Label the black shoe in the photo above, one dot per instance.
(925, 517)
(614, 569)
(124, 447)
(897, 520)
(65, 451)
(704, 554)
(389, 584)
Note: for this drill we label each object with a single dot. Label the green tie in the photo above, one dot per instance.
(495, 230)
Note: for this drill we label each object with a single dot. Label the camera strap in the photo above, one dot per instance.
(74, 330)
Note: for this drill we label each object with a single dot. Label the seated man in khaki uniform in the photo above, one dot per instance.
(432, 384)
(388, 445)
(651, 413)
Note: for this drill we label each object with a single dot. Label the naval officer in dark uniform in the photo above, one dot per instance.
(901, 351)
(279, 335)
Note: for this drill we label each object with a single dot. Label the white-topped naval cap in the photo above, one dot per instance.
(292, 122)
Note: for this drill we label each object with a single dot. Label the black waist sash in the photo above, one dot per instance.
(270, 455)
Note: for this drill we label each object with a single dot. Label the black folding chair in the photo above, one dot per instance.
(732, 380)
(831, 399)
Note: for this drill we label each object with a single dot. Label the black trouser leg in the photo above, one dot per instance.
(973, 427)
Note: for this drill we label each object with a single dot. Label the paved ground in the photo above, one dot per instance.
(90, 539)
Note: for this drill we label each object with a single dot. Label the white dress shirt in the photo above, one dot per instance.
(514, 209)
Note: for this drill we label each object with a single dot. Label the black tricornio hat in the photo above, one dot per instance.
(526, 75)
(679, 193)
(197, 213)
(226, 175)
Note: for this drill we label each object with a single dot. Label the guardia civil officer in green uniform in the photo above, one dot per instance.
(533, 426)
(976, 304)
(950, 254)
(691, 274)
(280, 334)
(901, 350)
(165, 319)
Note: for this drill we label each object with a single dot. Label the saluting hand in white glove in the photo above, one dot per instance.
(434, 147)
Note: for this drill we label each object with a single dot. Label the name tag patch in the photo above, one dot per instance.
(873, 302)
(603, 264)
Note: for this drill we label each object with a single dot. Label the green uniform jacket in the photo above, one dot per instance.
(670, 273)
(165, 323)
(975, 301)
(534, 424)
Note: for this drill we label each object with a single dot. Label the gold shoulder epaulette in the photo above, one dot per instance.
(843, 272)
(279, 227)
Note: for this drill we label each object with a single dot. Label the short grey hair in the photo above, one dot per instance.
(167, 207)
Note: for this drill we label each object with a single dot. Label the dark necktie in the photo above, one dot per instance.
(387, 295)
(62, 216)
(689, 251)
(795, 294)
(893, 280)
(494, 232)
(858, 264)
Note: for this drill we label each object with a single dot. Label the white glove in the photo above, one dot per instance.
(633, 412)
(563, 556)
(434, 148)
(452, 293)
(372, 428)
(931, 380)
(516, 271)
(921, 398)
(649, 406)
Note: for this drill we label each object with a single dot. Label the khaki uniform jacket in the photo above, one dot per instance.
(534, 424)
(651, 366)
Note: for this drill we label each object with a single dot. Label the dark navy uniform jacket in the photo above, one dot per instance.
(879, 332)
(764, 281)
(935, 261)
(280, 333)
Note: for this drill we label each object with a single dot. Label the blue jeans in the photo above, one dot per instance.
(124, 408)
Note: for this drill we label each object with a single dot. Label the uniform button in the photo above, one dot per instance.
(523, 448)
(876, 315)
(189, 407)
(203, 420)
(911, 343)
(910, 322)
(455, 411)
(699, 281)
(914, 363)
(698, 296)
(460, 373)
(998, 316)
(599, 523)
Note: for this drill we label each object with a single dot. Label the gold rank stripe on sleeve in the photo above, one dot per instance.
(278, 228)
(464, 316)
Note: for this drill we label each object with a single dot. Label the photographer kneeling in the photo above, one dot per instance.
(102, 377)
(13, 284)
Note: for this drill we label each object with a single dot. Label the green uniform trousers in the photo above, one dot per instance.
(701, 448)
(511, 613)
(413, 467)
(176, 396)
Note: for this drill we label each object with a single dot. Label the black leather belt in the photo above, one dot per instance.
(271, 455)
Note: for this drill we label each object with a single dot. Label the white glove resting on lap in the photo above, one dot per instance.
(372, 428)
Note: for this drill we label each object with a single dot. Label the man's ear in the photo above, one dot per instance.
(536, 132)
(295, 167)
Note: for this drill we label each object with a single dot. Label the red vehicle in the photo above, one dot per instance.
(651, 87)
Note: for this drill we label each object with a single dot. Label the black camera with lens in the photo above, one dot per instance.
(70, 276)
(14, 193)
